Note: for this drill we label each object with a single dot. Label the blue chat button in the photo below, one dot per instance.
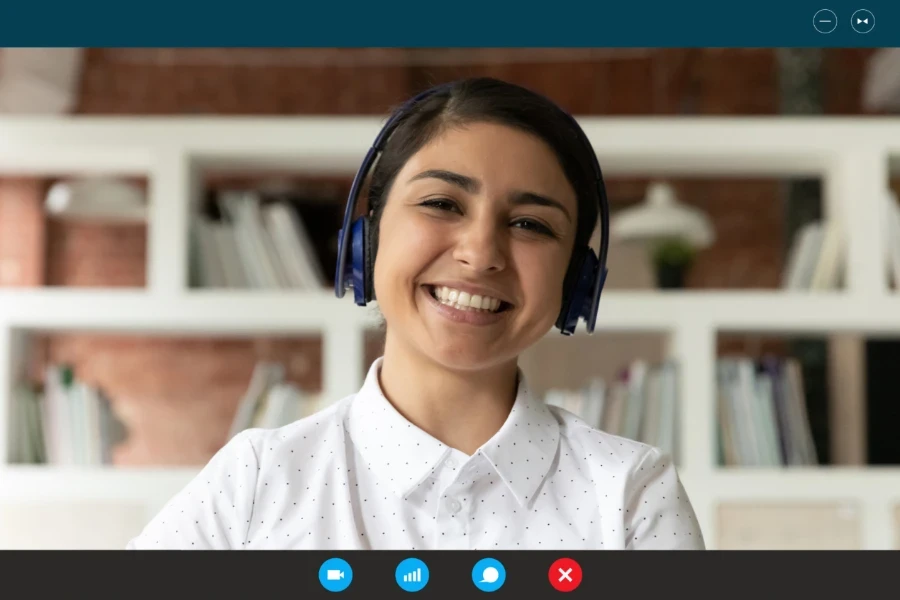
(489, 575)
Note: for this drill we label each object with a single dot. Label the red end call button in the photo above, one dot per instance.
(565, 575)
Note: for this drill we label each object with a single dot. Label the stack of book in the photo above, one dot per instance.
(892, 238)
(63, 421)
(763, 418)
(816, 258)
(639, 405)
(271, 402)
(253, 244)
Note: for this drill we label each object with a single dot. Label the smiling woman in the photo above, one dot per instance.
(481, 202)
(462, 215)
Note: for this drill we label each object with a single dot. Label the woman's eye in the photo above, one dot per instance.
(441, 204)
(534, 226)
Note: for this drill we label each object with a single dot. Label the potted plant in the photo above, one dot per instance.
(672, 258)
(671, 231)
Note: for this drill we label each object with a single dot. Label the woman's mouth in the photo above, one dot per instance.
(465, 301)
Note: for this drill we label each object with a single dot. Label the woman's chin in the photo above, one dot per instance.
(466, 357)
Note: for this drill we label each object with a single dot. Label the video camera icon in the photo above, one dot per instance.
(335, 575)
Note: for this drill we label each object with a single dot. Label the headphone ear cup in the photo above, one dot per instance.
(569, 285)
(579, 289)
(358, 267)
(369, 261)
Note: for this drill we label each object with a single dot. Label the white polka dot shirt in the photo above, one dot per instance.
(358, 475)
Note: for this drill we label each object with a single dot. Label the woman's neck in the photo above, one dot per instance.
(462, 409)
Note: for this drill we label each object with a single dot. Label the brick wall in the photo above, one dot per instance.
(241, 82)
(178, 395)
(22, 233)
(95, 255)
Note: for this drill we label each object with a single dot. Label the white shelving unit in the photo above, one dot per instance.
(853, 157)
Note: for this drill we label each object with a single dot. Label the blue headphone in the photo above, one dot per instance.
(587, 270)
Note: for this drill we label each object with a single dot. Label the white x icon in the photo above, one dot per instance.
(565, 574)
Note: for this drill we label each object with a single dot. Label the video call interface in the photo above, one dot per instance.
(463, 316)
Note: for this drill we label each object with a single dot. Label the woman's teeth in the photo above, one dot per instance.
(464, 300)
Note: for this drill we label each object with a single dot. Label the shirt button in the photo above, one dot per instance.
(451, 462)
(454, 506)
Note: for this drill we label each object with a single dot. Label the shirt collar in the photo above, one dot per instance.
(398, 451)
(521, 452)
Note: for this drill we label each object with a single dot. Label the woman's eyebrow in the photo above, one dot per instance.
(469, 184)
(524, 198)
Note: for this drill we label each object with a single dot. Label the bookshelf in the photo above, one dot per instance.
(852, 157)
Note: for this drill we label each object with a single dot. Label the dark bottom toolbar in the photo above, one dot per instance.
(459, 574)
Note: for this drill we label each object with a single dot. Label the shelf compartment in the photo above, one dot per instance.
(74, 230)
(779, 525)
(264, 231)
(85, 399)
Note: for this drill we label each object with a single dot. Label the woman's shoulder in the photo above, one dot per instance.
(593, 442)
(214, 509)
(656, 509)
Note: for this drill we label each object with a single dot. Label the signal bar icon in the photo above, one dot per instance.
(411, 575)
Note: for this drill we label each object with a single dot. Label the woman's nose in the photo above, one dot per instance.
(481, 247)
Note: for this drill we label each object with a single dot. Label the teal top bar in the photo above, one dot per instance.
(463, 23)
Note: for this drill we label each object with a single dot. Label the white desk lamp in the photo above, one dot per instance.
(97, 199)
(662, 217)
(670, 230)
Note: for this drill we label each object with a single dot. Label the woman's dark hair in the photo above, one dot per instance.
(487, 100)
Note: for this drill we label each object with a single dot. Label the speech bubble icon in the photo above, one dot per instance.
(490, 575)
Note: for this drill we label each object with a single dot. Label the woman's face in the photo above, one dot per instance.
(482, 215)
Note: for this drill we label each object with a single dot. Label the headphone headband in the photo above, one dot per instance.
(581, 297)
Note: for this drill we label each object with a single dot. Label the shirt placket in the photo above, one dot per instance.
(454, 505)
